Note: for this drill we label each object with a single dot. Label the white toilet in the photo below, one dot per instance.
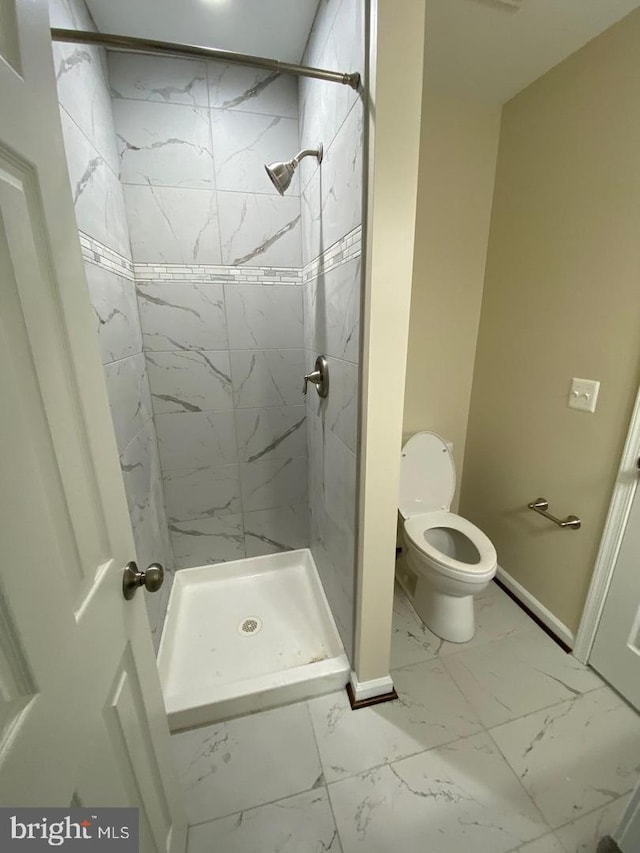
(449, 559)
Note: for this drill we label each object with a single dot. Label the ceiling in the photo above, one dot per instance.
(273, 28)
(484, 50)
(488, 50)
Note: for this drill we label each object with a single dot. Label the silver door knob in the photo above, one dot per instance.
(133, 578)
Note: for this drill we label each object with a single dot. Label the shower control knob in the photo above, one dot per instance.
(133, 578)
(319, 377)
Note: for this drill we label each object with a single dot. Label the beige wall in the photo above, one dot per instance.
(397, 42)
(458, 150)
(561, 299)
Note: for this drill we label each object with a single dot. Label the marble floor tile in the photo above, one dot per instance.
(300, 824)
(508, 678)
(411, 640)
(246, 762)
(546, 844)
(453, 799)
(497, 616)
(582, 835)
(430, 711)
(576, 756)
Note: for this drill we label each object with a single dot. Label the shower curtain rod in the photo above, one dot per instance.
(164, 48)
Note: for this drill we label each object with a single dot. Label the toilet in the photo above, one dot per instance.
(448, 559)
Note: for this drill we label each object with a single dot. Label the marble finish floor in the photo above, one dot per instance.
(502, 744)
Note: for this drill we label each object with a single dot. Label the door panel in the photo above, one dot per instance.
(81, 714)
(616, 651)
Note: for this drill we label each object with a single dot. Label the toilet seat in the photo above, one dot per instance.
(417, 525)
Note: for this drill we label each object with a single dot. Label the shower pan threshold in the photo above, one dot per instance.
(247, 635)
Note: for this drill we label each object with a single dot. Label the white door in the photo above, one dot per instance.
(81, 714)
(627, 834)
(616, 651)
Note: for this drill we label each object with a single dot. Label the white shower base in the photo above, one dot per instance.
(247, 635)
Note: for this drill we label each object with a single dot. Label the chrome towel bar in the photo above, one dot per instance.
(541, 506)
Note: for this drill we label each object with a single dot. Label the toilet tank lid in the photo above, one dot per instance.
(427, 475)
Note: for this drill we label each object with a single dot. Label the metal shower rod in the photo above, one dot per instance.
(165, 48)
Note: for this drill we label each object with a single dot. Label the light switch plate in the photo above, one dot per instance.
(583, 394)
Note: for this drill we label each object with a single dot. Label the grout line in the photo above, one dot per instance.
(357, 103)
(324, 775)
(202, 106)
(520, 782)
(211, 189)
(124, 358)
(90, 142)
(259, 805)
(235, 421)
(488, 731)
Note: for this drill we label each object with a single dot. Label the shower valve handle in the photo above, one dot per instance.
(319, 377)
(315, 376)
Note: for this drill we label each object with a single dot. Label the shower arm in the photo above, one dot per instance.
(307, 152)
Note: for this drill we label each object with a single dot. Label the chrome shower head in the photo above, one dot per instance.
(282, 172)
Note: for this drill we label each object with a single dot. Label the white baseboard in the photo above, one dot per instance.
(370, 689)
(545, 616)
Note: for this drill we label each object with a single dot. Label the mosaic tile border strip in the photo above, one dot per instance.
(94, 252)
(220, 274)
(346, 249)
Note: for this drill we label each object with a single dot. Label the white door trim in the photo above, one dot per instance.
(627, 835)
(612, 535)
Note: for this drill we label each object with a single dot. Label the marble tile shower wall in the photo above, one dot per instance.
(92, 157)
(331, 210)
(217, 257)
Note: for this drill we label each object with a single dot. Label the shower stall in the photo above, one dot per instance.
(216, 287)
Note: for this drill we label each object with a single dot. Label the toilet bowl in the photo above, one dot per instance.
(451, 558)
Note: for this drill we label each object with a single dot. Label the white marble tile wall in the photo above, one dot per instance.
(331, 215)
(92, 158)
(193, 138)
(217, 260)
(332, 193)
(225, 367)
